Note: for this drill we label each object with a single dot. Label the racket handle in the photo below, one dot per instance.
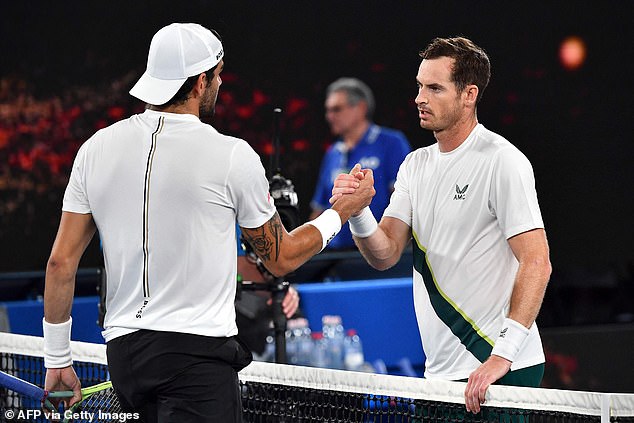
(60, 394)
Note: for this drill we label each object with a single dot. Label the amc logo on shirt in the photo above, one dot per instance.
(461, 192)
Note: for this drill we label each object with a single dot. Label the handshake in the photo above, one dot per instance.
(352, 192)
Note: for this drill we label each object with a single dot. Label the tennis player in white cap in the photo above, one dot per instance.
(165, 192)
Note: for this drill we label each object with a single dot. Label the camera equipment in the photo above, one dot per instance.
(285, 199)
(282, 189)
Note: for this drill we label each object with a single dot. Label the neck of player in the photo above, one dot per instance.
(452, 137)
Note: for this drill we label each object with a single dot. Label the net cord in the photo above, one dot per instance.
(589, 403)
(34, 346)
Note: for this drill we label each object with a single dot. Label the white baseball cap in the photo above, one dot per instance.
(177, 51)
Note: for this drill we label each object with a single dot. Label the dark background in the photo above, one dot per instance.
(575, 127)
(66, 67)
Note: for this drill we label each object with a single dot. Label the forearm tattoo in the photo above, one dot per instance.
(266, 239)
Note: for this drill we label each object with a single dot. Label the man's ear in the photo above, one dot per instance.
(471, 94)
(200, 85)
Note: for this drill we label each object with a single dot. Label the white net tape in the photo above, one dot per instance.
(579, 402)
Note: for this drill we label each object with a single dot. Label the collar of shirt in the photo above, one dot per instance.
(177, 116)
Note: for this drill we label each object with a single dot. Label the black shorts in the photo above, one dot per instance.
(177, 377)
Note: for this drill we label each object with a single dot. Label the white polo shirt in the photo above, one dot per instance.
(165, 191)
(462, 207)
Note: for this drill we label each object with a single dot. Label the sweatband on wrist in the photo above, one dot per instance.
(328, 224)
(57, 344)
(512, 336)
(364, 225)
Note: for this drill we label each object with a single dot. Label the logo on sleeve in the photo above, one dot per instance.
(461, 193)
(503, 332)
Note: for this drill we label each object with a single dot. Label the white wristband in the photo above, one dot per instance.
(510, 341)
(364, 225)
(329, 224)
(57, 344)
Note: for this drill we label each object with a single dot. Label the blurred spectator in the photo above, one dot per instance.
(349, 111)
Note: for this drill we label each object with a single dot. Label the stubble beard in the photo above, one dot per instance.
(207, 107)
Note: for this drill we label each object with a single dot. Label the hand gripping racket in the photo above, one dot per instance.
(96, 398)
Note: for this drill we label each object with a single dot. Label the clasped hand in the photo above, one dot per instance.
(359, 182)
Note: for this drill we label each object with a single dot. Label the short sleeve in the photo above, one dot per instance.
(75, 196)
(248, 187)
(513, 198)
(399, 150)
(400, 205)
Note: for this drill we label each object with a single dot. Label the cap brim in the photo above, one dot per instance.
(156, 91)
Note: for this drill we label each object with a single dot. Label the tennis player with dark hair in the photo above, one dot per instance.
(165, 192)
(481, 259)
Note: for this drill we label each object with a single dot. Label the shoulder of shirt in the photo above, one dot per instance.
(422, 154)
(488, 139)
(497, 146)
(104, 133)
(213, 132)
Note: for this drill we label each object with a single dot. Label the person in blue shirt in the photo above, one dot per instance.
(349, 111)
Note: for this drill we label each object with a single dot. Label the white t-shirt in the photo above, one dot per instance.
(165, 191)
(462, 207)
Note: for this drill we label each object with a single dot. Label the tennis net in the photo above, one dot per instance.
(282, 393)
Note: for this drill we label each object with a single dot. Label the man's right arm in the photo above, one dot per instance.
(384, 247)
(282, 252)
(381, 245)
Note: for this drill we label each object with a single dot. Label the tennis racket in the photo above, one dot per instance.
(95, 400)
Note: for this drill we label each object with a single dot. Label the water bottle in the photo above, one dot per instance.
(334, 335)
(319, 354)
(292, 341)
(304, 343)
(353, 351)
(269, 350)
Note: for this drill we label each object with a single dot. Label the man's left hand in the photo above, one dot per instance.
(488, 372)
(64, 379)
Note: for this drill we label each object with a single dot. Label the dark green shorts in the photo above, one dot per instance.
(529, 377)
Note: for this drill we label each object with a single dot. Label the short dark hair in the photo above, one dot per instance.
(182, 94)
(471, 63)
